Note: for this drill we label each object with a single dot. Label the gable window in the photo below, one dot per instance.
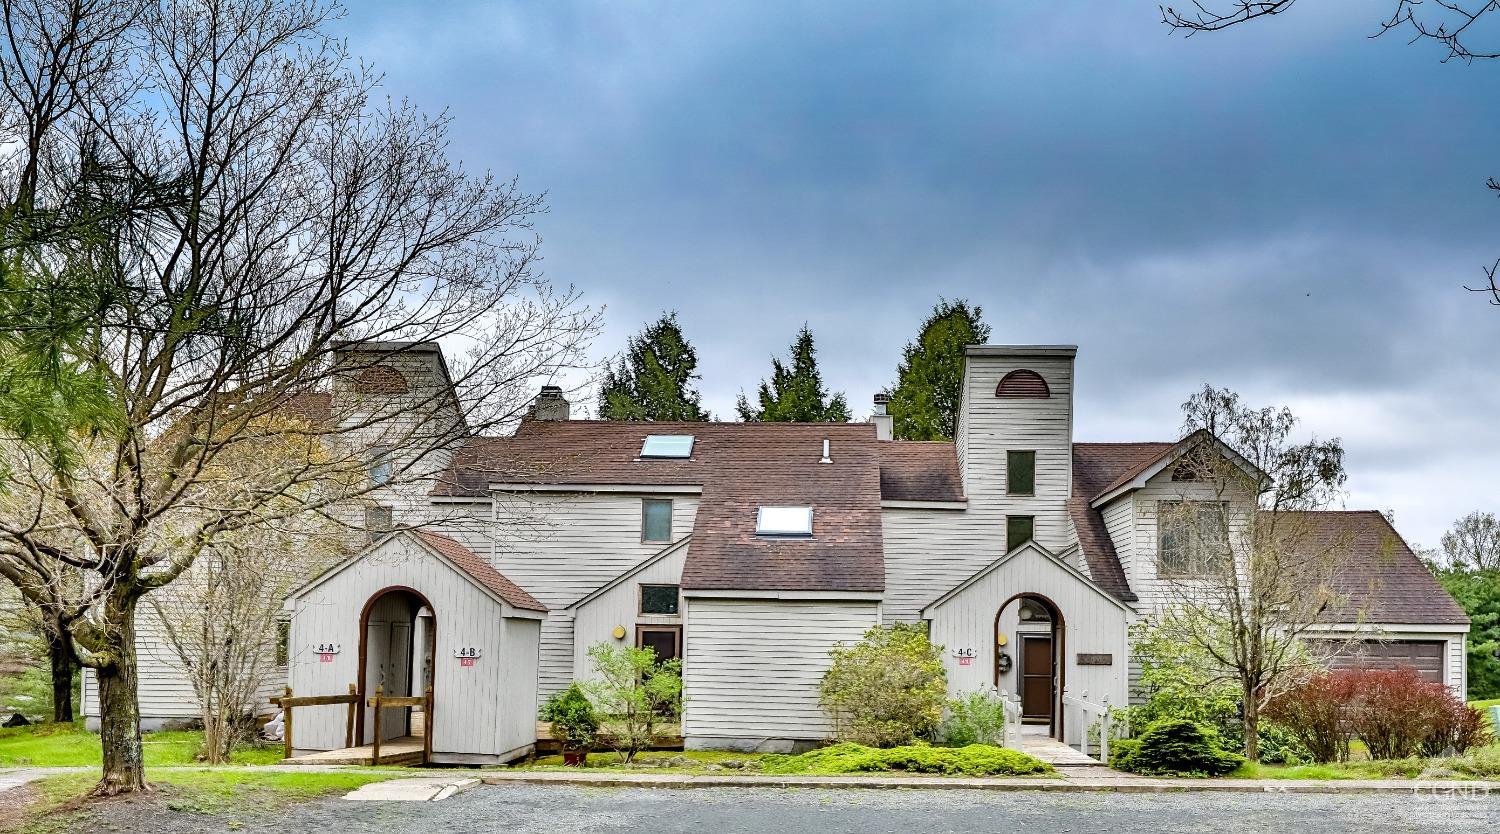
(660, 599)
(667, 446)
(1191, 537)
(1018, 530)
(656, 520)
(378, 465)
(784, 522)
(1020, 472)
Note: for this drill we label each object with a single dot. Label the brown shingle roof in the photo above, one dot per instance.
(912, 470)
(1097, 467)
(740, 467)
(481, 571)
(1383, 580)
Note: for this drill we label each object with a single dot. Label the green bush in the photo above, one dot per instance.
(1175, 747)
(1279, 745)
(574, 723)
(974, 718)
(973, 760)
(637, 695)
(886, 690)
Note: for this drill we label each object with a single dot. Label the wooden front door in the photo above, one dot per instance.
(1036, 677)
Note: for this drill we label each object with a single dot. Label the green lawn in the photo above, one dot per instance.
(226, 794)
(69, 745)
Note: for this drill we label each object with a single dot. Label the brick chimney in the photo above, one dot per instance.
(550, 405)
(885, 424)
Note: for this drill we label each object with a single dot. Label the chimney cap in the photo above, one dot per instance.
(551, 391)
(882, 398)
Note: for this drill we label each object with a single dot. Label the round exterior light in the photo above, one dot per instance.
(619, 632)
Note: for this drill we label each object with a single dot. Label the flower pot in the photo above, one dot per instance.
(576, 758)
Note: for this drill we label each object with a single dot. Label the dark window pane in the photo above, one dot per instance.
(663, 641)
(283, 642)
(656, 520)
(378, 521)
(1020, 472)
(1017, 531)
(659, 599)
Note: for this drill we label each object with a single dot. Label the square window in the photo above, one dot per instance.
(784, 521)
(656, 520)
(660, 599)
(1192, 538)
(1018, 530)
(1020, 472)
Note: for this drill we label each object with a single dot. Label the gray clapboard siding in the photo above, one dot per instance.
(595, 620)
(753, 667)
(928, 552)
(477, 709)
(562, 547)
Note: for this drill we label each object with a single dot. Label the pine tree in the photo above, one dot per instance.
(929, 380)
(652, 380)
(795, 394)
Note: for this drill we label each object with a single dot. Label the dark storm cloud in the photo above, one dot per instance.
(1288, 209)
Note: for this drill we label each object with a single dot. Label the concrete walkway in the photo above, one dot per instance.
(420, 789)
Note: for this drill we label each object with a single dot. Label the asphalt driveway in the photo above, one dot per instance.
(546, 809)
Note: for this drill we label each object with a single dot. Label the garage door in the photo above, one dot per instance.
(1426, 656)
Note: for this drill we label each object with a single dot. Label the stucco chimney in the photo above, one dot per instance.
(550, 405)
(885, 424)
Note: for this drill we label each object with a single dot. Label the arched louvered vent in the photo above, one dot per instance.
(1023, 384)
(380, 379)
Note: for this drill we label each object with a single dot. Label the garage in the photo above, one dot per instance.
(1426, 656)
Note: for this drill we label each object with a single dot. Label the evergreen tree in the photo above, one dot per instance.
(929, 381)
(1478, 591)
(652, 381)
(795, 394)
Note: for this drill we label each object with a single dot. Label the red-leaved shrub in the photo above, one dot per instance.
(1317, 713)
(1394, 712)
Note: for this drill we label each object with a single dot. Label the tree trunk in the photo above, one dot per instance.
(62, 660)
(1252, 724)
(119, 702)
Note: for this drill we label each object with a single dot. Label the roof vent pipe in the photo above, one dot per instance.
(826, 458)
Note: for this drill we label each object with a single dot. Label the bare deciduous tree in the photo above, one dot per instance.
(280, 242)
(1473, 543)
(1458, 25)
(1246, 569)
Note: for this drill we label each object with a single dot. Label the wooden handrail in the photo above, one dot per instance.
(287, 701)
(401, 701)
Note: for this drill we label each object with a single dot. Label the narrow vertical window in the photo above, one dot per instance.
(1018, 530)
(378, 521)
(656, 520)
(283, 642)
(1020, 472)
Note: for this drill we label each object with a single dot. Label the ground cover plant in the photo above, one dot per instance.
(973, 760)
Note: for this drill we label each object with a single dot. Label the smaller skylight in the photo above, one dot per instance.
(783, 521)
(667, 446)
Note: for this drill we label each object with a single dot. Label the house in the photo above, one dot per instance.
(750, 550)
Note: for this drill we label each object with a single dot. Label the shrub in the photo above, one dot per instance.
(976, 717)
(1483, 762)
(1316, 712)
(886, 690)
(1279, 745)
(973, 760)
(1455, 725)
(574, 723)
(636, 694)
(1176, 746)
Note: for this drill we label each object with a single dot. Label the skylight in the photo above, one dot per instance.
(784, 521)
(667, 446)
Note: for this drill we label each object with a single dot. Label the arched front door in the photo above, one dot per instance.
(397, 640)
(1030, 639)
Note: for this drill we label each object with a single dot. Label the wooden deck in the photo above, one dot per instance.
(406, 750)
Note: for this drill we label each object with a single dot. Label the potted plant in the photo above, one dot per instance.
(574, 724)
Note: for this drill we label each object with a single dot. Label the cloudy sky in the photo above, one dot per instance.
(1288, 209)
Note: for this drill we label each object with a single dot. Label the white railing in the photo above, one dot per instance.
(1012, 732)
(1087, 712)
